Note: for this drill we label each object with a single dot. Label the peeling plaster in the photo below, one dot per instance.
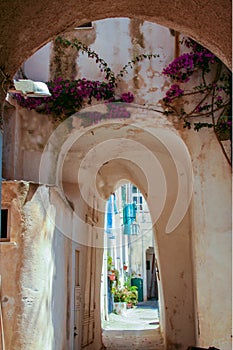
(63, 60)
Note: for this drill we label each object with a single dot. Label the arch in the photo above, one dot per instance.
(36, 23)
(88, 165)
(128, 239)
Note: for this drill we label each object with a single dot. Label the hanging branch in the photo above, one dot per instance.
(131, 63)
(217, 93)
(102, 64)
(110, 76)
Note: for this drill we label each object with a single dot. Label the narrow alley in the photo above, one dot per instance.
(116, 175)
(138, 329)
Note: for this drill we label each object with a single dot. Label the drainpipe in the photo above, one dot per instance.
(1, 318)
(1, 137)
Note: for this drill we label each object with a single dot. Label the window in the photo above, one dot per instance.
(138, 201)
(4, 225)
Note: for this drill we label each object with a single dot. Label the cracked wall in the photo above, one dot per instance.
(37, 301)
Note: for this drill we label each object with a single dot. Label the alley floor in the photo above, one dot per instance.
(138, 329)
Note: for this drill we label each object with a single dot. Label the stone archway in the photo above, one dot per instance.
(27, 26)
(35, 24)
(88, 164)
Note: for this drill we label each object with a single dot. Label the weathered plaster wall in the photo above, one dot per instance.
(211, 241)
(45, 278)
(134, 37)
(174, 250)
(13, 197)
(37, 300)
(25, 136)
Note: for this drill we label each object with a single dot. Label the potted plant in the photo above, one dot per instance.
(132, 297)
(120, 296)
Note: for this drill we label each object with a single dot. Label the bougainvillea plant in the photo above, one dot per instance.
(210, 97)
(69, 96)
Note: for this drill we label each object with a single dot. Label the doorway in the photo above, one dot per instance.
(152, 274)
(128, 233)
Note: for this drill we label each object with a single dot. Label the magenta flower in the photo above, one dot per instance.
(127, 97)
(174, 91)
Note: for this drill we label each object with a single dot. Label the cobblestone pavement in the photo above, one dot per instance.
(138, 329)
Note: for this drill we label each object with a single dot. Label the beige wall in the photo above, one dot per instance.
(37, 296)
(211, 242)
(37, 270)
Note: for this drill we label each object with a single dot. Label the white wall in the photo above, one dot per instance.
(37, 66)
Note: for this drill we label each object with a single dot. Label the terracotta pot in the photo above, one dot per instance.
(112, 277)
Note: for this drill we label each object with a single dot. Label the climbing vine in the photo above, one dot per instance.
(210, 97)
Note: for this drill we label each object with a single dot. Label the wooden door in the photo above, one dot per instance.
(88, 322)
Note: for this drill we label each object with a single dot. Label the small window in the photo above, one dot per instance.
(138, 201)
(148, 265)
(85, 25)
(4, 225)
